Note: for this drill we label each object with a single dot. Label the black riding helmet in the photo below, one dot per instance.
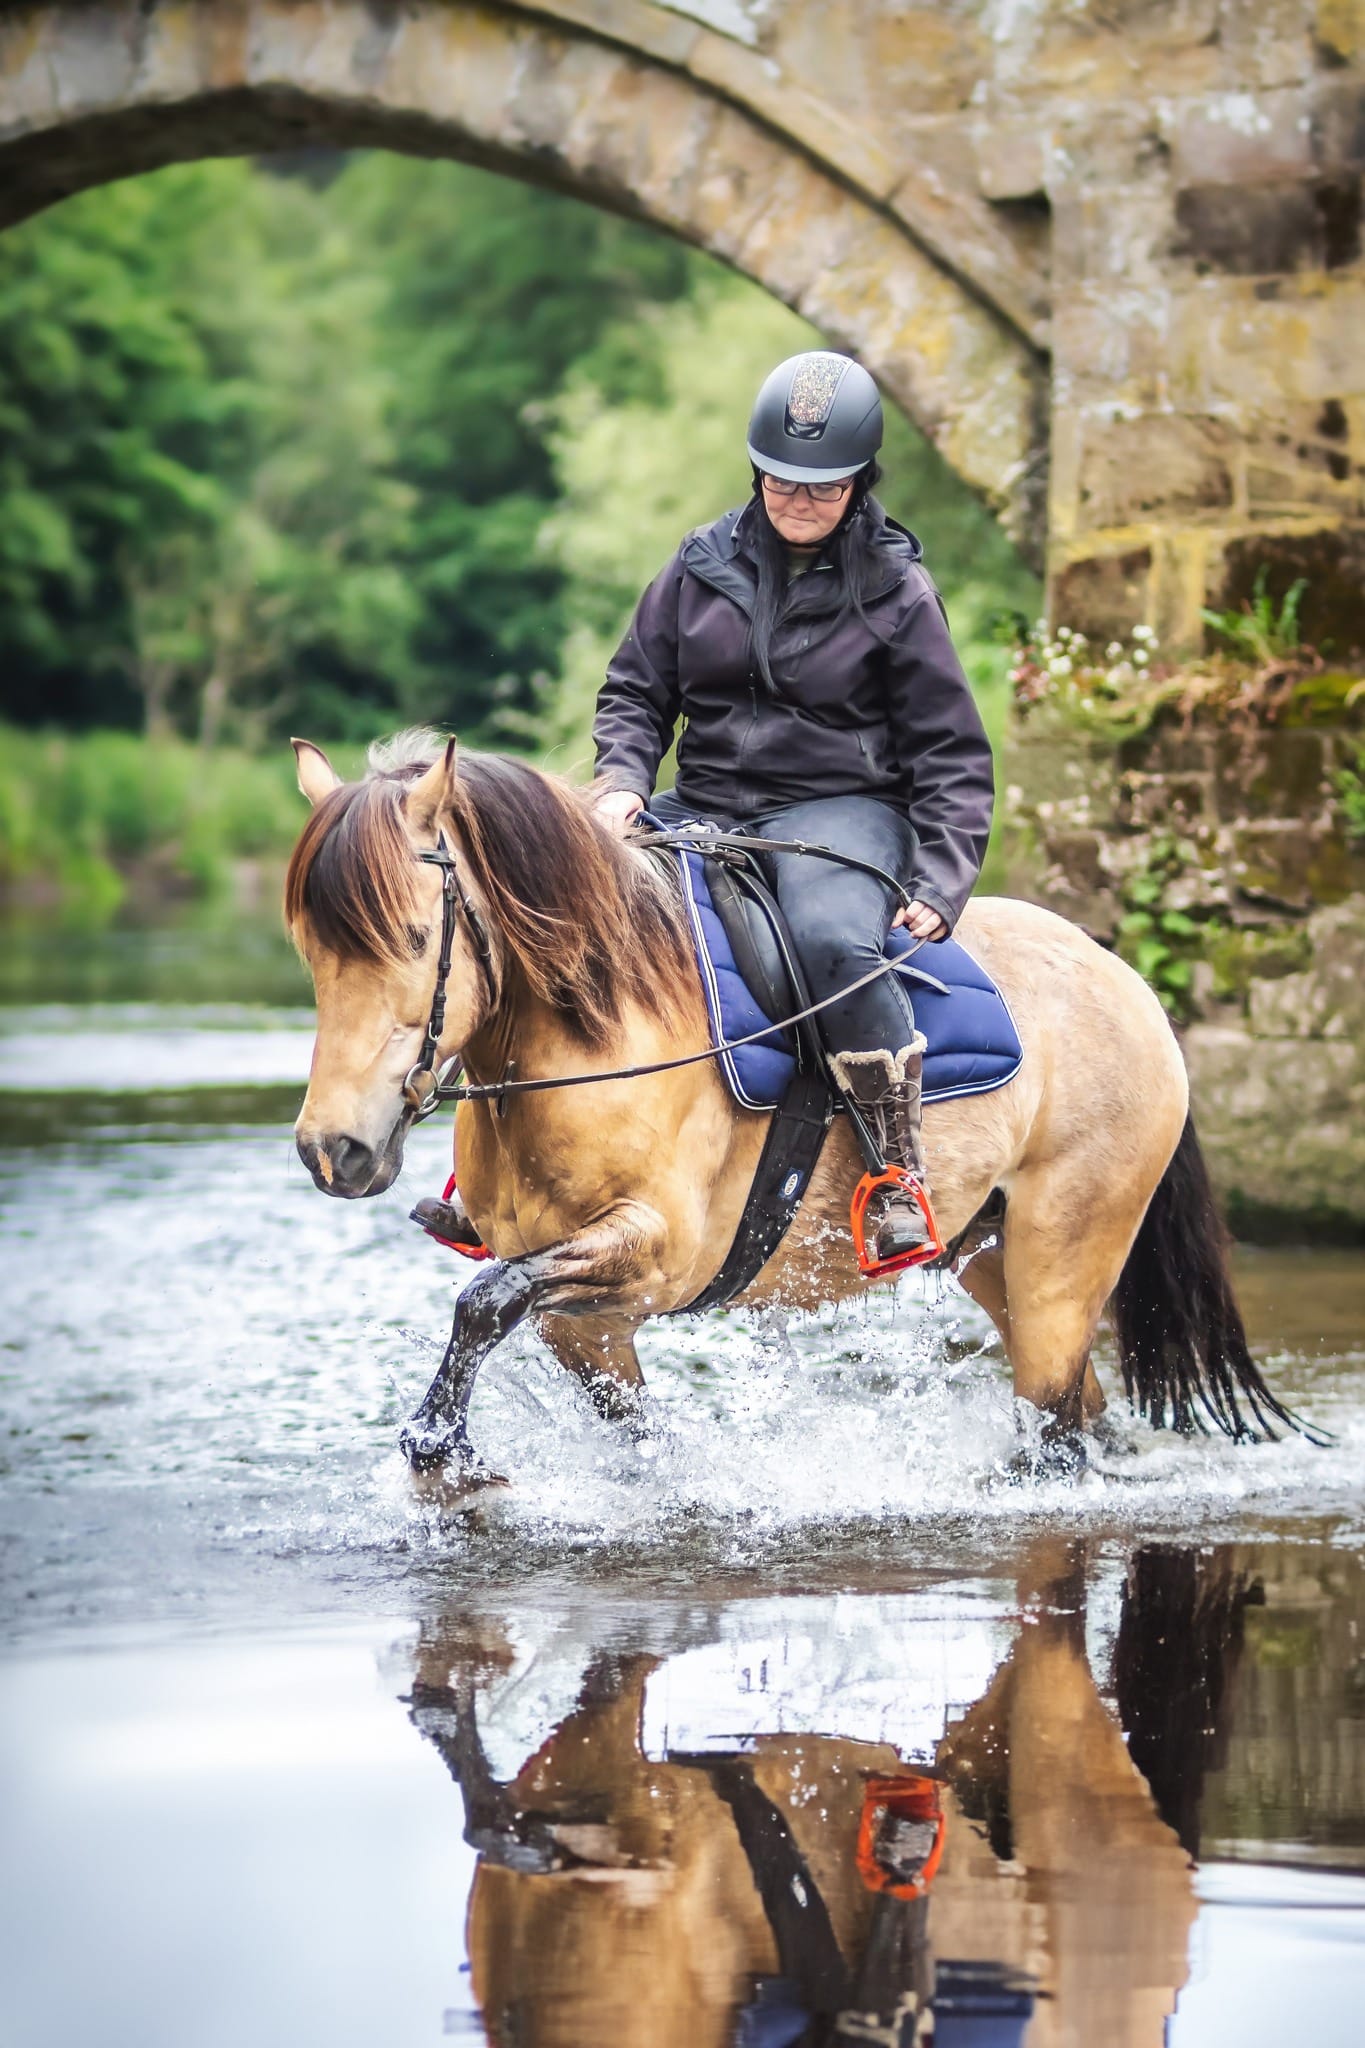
(817, 416)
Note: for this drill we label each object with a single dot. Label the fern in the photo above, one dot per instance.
(1259, 632)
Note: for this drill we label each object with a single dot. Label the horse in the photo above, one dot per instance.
(616, 1199)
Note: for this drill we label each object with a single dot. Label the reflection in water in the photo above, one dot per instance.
(1025, 1883)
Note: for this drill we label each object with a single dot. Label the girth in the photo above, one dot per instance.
(759, 939)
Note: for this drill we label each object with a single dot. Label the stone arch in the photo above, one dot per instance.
(93, 90)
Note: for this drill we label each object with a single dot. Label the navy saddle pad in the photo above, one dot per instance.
(973, 1043)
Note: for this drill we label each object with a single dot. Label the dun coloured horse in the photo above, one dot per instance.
(609, 1203)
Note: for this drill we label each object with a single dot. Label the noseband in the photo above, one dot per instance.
(421, 1086)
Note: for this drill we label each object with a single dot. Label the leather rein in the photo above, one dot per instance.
(425, 1087)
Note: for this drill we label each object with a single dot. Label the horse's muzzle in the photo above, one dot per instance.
(349, 1168)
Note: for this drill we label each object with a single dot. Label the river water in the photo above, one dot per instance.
(796, 1722)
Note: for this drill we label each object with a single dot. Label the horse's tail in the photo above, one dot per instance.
(1181, 1340)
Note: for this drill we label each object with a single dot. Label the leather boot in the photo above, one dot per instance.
(448, 1221)
(887, 1087)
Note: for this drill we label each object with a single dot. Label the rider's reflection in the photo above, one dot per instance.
(816, 1892)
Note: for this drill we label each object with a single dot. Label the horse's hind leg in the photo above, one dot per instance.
(616, 1256)
(1064, 1251)
(600, 1352)
(983, 1278)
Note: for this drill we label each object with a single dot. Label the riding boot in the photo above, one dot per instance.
(887, 1087)
(449, 1221)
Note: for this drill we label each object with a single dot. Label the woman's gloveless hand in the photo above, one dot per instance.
(618, 809)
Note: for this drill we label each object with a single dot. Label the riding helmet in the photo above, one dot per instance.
(817, 416)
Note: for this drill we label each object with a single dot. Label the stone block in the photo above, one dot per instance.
(1339, 27)
(1252, 229)
(1265, 773)
(1302, 461)
(1112, 234)
(1338, 128)
(1280, 1120)
(1268, 345)
(1102, 594)
(1332, 560)
(1164, 799)
(1167, 750)
(1110, 343)
(1161, 466)
(1265, 42)
(1011, 157)
(1227, 137)
(1294, 867)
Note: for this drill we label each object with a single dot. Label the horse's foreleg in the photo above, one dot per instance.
(600, 1351)
(607, 1262)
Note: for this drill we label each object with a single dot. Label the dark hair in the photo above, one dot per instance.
(841, 588)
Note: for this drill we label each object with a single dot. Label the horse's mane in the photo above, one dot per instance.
(590, 927)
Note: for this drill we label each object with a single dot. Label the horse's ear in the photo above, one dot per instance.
(429, 796)
(317, 777)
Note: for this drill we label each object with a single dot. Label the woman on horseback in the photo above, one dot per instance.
(806, 650)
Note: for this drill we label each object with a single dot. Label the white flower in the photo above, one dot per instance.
(1140, 656)
(1060, 665)
(1141, 633)
(1114, 651)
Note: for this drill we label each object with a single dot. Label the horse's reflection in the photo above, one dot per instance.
(816, 1890)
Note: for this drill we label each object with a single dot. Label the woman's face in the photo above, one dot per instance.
(802, 520)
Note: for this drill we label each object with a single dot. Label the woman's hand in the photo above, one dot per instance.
(921, 922)
(618, 809)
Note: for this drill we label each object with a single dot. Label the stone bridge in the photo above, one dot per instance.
(1107, 253)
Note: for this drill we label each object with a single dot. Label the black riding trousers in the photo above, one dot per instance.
(839, 918)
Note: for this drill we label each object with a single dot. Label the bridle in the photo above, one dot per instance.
(422, 1090)
(425, 1089)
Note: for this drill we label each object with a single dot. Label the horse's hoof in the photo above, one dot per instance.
(454, 1489)
(1059, 1456)
(446, 1452)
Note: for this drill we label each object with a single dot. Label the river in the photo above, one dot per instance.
(796, 1722)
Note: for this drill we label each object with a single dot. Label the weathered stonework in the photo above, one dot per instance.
(1108, 253)
(1276, 889)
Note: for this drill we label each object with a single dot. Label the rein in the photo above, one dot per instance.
(424, 1100)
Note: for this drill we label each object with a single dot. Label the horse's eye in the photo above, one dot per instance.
(417, 939)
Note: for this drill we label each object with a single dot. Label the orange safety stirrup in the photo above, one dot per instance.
(869, 1265)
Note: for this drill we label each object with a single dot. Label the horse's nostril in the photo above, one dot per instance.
(338, 1163)
(352, 1161)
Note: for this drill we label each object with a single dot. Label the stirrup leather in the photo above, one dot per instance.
(904, 1182)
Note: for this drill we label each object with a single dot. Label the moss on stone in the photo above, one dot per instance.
(1334, 698)
(1238, 956)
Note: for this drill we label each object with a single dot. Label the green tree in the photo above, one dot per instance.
(493, 292)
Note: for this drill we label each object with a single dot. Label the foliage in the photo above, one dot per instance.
(1160, 942)
(1350, 791)
(79, 811)
(269, 453)
(1260, 632)
(1128, 687)
(396, 441)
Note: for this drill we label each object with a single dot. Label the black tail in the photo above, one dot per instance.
(1182, 1344)
(1181, 1629)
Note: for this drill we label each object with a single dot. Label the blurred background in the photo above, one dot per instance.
(334, 444)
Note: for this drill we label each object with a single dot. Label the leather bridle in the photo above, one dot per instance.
(422, 1089)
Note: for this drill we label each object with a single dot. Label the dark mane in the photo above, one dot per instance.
(586, 925)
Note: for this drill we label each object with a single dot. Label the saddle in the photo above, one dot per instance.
(750, 976)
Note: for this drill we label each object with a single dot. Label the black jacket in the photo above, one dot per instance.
(878, 709)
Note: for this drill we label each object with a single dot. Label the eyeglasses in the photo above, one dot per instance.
(820, 494)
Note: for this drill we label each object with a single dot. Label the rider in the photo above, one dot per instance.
(806, 650)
